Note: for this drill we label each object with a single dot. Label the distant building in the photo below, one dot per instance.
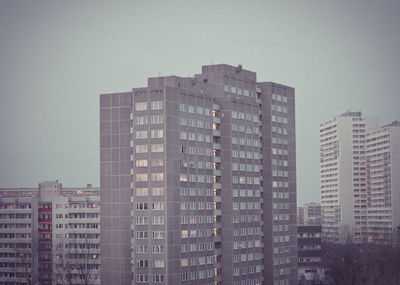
(383, 170)
(310, 252)
(43, 229)
(198, 181)
(300, 215)
(344, 177)
(309, 214)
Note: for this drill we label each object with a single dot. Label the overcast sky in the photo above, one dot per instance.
(56, 57)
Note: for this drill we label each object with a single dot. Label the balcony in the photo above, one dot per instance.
(45, 210)
(216, 146)
(217, 225)
(217, 238)
(19, 211)
(84, 210)
(217, 185)
(45, 230)
(215, 107)
(216, 133)
(217, 199)
(217, 172)
(217, 212)
(217, 120)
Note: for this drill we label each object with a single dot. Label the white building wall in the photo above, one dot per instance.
(344, 176)
(395, 174)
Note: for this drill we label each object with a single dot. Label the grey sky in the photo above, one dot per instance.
(56, 57)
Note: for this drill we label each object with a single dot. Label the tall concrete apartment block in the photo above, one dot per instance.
(198, 181)
(344, 176)
(44, 229)
(383, 169)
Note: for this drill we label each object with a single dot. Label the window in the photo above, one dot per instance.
(142, 278)
(158, 249)
(141, 148)
(183, 136)
(157, 162)
(142, 120)
(141, 163)
(158, 234)
(157, 191)
(158, 220)
(142, 249)
(141, 106)
(157, 148)
(157, 119)
(157, 176)
(142, 235)
(141, 177)
(182, 107)
(157, 133)
(184, 262)
(184, 234)
(142, 191)
(141, 134)
(141, 206)
(158, 206)
(141, 220)
(157, 105)
(158, 278)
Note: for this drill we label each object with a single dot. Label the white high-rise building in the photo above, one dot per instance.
(383, 155)
(344, 176)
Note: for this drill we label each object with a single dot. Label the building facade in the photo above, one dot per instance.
(309, 214)
(344, 177)
(49, 235)
(310, 253)
(383, 167)
(198, 181)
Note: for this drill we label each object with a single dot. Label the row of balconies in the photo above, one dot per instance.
(86, 210)
(16, 211)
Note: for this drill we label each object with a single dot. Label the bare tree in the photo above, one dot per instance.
(26, 259)
(347, 234)
(74, 263)
(61, 265)
(361, 264)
